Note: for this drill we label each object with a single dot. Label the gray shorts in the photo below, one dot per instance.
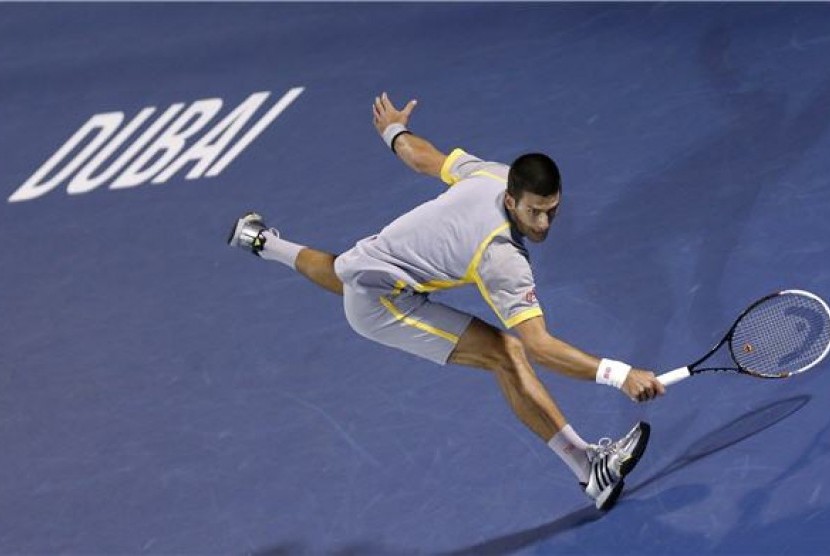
(381, 308)
(408, 320)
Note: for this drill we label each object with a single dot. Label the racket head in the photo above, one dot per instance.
(782, 334)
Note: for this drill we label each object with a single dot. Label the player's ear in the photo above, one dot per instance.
(509, 201)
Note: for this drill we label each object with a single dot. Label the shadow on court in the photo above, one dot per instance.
(529, 537)
(160, 393)
(354, 549)
(728, 435)
(740, 429)
(776, 536)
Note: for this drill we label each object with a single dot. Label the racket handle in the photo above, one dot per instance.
(674, 376)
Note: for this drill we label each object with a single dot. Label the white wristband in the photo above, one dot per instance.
(612, 373)
(392, 131)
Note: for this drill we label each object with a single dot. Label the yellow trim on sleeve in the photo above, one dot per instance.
(416, 323)
(489, 175)
(446, 177)
(519, 318)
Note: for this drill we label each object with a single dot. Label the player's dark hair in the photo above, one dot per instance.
(536, 173)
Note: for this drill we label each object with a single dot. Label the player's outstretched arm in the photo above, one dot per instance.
(553, 353)
(416, 152)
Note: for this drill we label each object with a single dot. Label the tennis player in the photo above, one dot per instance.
(471, 234)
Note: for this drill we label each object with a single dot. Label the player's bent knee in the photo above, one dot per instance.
(512, 346)
(498, 358)
(477, 347)
(512, 354)
(485, 346)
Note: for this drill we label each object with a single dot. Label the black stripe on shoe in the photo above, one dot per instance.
(602, 473)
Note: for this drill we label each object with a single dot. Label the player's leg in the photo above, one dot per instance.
(251, 233)
(411, 322)
(318, 266)
(485, 347)
(600, 468)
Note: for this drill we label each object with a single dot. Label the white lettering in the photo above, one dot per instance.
(258, 128)
(169, 143)
(89, 159)
(106, 124)
(83, 182)
(209, 147)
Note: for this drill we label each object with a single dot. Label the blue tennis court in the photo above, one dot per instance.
(161, 393)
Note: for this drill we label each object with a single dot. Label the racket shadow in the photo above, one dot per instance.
(728, 435)
(740, 429)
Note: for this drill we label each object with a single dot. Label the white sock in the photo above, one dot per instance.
(571, 448)
(277, 249)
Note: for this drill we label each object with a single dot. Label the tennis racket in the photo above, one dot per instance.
(780, 335)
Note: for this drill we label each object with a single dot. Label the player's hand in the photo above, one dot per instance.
(642, 386)
(385, 112)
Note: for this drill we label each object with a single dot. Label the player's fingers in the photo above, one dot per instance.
(375, 111)
(378, 105)
(659, 389)
(410, 106)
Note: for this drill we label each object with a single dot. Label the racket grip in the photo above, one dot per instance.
(674, 376)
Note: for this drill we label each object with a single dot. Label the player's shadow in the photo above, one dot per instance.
(728, 435)
(285, 549)
(367, 548)
(529, 537)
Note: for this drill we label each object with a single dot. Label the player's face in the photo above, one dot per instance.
(533, 214)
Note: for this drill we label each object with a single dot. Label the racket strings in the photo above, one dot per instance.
(781, 335)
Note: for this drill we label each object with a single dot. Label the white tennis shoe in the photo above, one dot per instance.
(247, 233)
(611, 462)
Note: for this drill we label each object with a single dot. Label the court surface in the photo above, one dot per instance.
(161, 393)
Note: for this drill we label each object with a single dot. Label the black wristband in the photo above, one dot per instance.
(395, 138)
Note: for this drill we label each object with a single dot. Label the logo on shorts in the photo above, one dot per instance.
(530, 296)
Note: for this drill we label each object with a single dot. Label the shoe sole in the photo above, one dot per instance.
(606, 501)
(628, 465)
(232, 235)
(237, 226)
